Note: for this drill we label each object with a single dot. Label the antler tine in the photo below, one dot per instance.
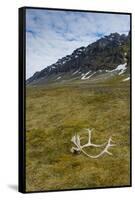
(89, 135)
(88, 129)
(109, 145)
(112, 141)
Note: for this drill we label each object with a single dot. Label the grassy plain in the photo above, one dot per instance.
(55, 112)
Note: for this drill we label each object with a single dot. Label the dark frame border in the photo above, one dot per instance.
(22, 99)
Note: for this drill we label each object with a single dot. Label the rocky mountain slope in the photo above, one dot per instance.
(108, 54)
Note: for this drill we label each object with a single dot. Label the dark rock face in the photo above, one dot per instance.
(104, 54)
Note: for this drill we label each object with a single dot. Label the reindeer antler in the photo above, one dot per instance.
(80, 148)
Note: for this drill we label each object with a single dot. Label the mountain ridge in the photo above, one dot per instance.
(104, 54)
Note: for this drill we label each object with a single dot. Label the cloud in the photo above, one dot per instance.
(51, 35)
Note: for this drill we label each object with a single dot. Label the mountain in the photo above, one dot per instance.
(109, 54)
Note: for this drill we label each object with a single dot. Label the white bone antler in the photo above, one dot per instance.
(80, 148)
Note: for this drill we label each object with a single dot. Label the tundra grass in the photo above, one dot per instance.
(54, 113)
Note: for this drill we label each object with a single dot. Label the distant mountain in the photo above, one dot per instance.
(104, 55)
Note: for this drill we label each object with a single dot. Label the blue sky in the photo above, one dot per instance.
(51, 35)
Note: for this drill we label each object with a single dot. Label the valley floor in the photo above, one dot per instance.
(54, 113)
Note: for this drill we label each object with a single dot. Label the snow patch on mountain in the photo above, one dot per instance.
(108, 70)
(126, 79)
(75, 72)
(100, 70)
(58, 77)
(85, 76)
(122, 68)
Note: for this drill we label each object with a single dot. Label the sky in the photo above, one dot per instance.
(50, 34)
